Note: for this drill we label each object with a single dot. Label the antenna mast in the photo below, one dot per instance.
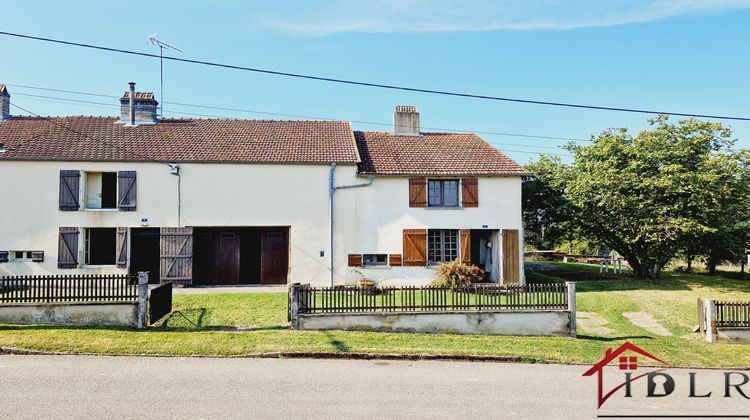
(162, 45)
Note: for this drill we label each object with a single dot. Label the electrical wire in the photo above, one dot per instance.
(375, 85)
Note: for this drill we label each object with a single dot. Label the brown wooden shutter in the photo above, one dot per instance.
(394, 260)
(122, 247)
(67, 248)
(417, 192)
(4, 256)
(70, 182)
(511, 267)
(415, 247)
(469, 192)
(176, 248)
(465, 246)
(37, 256)
(126, 191)
(355, 260)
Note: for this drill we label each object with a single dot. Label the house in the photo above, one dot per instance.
(226, 201)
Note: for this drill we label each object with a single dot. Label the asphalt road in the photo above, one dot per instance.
(189, 388)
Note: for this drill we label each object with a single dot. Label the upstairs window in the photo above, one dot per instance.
(101, 190)
(442, 245)
(442, 193)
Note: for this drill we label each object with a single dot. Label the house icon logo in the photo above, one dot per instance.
(625, 358)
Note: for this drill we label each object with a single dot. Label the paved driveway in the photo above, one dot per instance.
(140, 387)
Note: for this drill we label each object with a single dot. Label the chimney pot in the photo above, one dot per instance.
(406, 120)
(4, 103)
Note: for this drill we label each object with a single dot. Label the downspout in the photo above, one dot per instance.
(331, 190)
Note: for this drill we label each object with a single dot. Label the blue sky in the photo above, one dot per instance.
(673, 55)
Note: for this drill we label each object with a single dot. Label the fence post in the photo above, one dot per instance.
(294, 305)
(571, 287)
(711, 328)
(142, 299)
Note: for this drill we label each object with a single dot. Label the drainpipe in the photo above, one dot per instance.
(331, 190)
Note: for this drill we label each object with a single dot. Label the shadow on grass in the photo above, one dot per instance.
(628, 337)
(338, 344)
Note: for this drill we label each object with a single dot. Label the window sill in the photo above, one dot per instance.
(377, 267)
(104, 210)
(444, 208)
(99, 266)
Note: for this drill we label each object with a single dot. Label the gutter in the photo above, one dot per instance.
(331, 191)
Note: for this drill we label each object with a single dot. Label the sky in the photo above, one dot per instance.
(685, 56)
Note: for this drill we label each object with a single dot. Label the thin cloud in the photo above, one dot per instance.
(306, 18)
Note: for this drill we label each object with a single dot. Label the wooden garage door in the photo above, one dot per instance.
(511, 264)
(176, 252)
(274, 257)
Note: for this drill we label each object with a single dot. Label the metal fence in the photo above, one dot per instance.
(69, 288)
(314, 300)
(159, 302)
(733, 314)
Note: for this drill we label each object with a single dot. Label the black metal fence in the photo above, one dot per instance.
(313, 300)
(159, 302)
(733, 314)
(69, 288)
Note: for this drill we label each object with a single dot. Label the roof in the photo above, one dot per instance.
(81, 138)
(611, 355)
(432, 154)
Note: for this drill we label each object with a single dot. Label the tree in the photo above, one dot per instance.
(646, 196)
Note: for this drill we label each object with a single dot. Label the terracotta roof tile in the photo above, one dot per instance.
(431, 154)
(80, 138)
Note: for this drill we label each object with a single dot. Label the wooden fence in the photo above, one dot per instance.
(313, 300)
(733, 314)
(69, 288)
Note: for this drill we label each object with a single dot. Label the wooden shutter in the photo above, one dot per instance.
(465, 246)
(417, 192)
(355, 260)
(67, 248)
(394, 260)
(122, 247)
(70, 182)
(37, 256)
(415, 247)
(176, 249)
(4, 256)
(469, 192)
(511, 267)
(126, 191)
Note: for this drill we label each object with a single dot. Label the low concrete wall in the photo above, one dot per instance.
(739, 334)
(539, 323)
(116, 314)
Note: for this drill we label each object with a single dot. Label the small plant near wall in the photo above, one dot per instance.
(455, 273)
(367, 286)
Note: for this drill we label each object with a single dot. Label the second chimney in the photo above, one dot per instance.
(406, 121)
(138, 107)
(4, 103)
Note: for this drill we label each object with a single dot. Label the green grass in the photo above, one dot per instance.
(247, 324)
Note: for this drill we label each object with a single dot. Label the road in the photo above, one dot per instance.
(190, 388)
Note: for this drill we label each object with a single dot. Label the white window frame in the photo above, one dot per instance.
(27, 256)
(84, 191)
(85, 253)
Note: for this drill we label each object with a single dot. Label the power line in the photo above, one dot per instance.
(376, 85)
(250, 111)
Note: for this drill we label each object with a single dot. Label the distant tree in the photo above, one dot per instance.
(646, 196)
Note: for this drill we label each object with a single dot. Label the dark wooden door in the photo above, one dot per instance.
(227, 265)
(274, 258)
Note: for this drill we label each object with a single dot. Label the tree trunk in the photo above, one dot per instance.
(689, 262)
(712, 263)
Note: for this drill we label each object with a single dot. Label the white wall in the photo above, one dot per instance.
(383, 212)
(212, 195)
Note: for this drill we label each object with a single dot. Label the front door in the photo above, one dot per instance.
(274, 259)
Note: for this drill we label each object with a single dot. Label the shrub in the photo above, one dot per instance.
(455, 273)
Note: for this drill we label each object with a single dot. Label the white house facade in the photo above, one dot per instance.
(220, 201)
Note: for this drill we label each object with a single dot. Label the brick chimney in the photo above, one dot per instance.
(406, 121)
(4, 103)
(140, 110)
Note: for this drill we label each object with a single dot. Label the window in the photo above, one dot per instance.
(99, 246)
(20, 256)
(442, 192)
(442, 245)
(374, 259)
(101, 190)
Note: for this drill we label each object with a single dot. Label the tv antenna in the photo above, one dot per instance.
(162, 45)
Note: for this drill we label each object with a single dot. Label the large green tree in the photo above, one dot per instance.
(647, 195)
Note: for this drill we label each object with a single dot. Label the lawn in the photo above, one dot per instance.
(247, 324)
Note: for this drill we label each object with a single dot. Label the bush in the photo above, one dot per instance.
(455, 273)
